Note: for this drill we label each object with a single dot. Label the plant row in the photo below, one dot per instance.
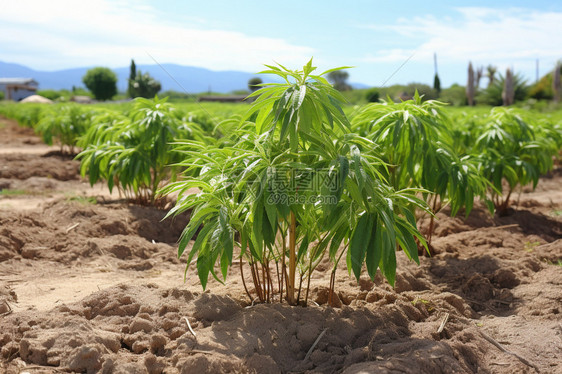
(293, 181)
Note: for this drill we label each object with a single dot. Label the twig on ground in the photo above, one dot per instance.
(315, 343)
(499, 227)
(501, 348)
(72, 227)
(443, 322)
(39, 367)
(189, 326)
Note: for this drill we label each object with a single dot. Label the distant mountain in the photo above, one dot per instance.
(359, 86)
(172, 76)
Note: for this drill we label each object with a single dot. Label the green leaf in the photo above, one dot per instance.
(303, 248)
(359, 172)
(388, 261)
(407, 241)
(337, 241)
(359, 242)
(204, 267)
(198, 245)
(302, 95)
(374, 249)
(191, 228)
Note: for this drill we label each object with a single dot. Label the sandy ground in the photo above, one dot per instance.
(89, 283)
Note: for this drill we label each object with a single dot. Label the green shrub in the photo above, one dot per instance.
(144, 86)
(454, 95)
(372, 95)
(50, 94)
(102, 82)
(542, 90)
(64, 124)
(268, 194)
(133, 151)
(254, 84)
(513, 148)
(492, 95)
(415, 140)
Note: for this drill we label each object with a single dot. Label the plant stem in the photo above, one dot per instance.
(244, 281)
(333, 278)
(300, 288)
(292, 260)
(432, 219)
(505, 204)
(270, 280)
(264, 283)
(279, 281)
(308, 286)
(332, 286)
(283, 266)
(256, 281)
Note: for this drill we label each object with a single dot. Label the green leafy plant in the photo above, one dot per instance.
(510, 152)
(102, 82)
(339, 80)
(65, 124)
(372, 95)
(453, 95)
(415, 141)
(133, 152)
(492, 95)
(297, 185)
(254, 84)
(143, 85)
(27, 114)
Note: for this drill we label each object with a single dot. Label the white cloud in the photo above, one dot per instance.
(502, 37)
(52, 35)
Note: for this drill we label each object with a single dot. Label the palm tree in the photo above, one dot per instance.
(491, 74)
(508, 93)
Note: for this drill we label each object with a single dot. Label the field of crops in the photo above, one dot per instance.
(318, 237)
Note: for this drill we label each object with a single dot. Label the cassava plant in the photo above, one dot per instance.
(65, 124)
(415, 140)
(133, 152)
(510, 151)
(296, 186)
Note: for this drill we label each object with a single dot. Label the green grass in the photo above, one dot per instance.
(9, 192)
(557, 263)
(556, 213)
(530, 246)
(85, 200)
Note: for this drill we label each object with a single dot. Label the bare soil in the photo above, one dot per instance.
(89, 283)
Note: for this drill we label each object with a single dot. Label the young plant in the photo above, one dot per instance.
(415, 140)
(133, 152)
(297, 185)
(510, 151)
(66, 124)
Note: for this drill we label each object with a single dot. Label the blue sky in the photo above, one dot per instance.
(376, 37)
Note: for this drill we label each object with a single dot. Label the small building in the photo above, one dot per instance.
(18, 88)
